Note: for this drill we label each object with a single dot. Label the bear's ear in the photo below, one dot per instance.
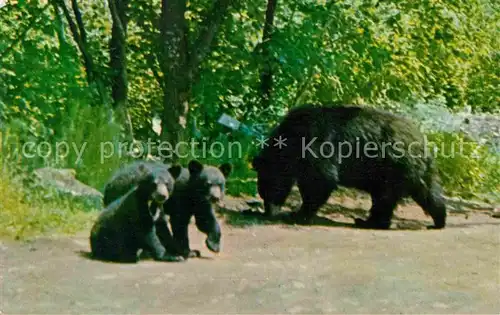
(226, 169)
(175, 170)
(195, 167)
(142, 168)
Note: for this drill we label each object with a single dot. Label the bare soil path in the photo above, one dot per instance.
(273, 268)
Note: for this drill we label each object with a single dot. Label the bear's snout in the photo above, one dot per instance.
(161, 194)
(215, 194)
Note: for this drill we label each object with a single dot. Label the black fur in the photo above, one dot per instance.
(196, 190)
(129, 175)
(134, 173)
(388, 178)
(128, 224)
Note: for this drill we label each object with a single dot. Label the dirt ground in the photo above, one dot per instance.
(272, 267)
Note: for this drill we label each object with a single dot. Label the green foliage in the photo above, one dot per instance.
(95, 145)
(35, 68)
(386, 53)
(24, 214)
(88, 141)
(465, 167)
(352, 52)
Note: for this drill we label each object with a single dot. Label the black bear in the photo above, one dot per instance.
(134, 173)
(196, 190)
(127, 224)
(129, 175)
(360, 147)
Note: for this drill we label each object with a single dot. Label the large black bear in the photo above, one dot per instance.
(196, 190)
(359, 147)
(127, 224)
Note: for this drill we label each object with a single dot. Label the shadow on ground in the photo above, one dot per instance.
(341, 211)
(331, 216)
(248, 217)
(144, 255)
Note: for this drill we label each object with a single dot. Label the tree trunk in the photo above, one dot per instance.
(174, 39)
(118, 61)
(61, 36)
(180, 66)
(117, 52)
(82, 45)
(80, 37)
(266, 83)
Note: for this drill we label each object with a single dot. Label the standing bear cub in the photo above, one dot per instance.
(196, 190)
(359, 147)
(127, 224)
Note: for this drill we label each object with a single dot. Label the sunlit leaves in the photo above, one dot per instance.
(349, 51)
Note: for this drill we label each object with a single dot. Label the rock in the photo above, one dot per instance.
(436, 117)
(253, 203)
(459, 204)
(65, 183)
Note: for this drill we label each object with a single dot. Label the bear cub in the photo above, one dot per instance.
(197, 189)
(127, 224)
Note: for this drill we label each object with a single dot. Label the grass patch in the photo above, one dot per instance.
(96, 145)
(22, 217)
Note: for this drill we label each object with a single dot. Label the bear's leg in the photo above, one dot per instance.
(314, 191)
(153, 245)
(165, 236)
(180, 226)
(128, 256)
(126, 246)
(206, 222)
(432, 202)
(383, 204)
(112, 246)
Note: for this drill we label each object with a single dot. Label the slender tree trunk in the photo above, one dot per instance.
(208, 31)
(118, 61)
(118, 52)
(61, 36)
(82, 45)
(79, 20)
(266, 83)
(79, 35)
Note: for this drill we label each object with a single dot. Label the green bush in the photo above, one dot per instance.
(24, 214)
(87, 141)
(466, 167)
(101, 138)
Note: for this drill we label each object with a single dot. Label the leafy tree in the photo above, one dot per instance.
(189, 62)
(180, 61)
